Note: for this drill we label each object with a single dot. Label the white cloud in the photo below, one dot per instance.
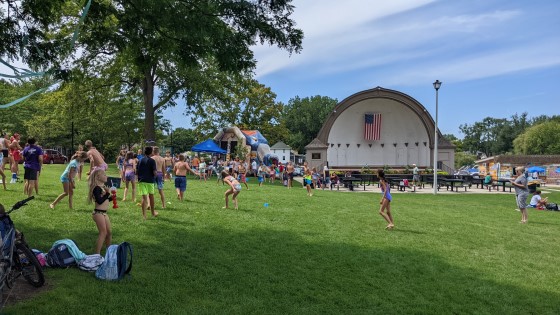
(343, 36)
(508, 60)
(329, 26)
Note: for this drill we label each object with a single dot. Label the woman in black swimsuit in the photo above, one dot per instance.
(100, 195)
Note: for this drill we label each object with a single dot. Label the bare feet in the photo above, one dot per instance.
(51, 206)
(390, 226)
(155, 214)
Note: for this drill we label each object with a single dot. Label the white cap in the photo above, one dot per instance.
(325, 168)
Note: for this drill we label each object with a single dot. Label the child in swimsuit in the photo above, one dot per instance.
(307, 180)
(385, 200)
(235, 188)
(130, 175)
(67, 178)
(100, 195)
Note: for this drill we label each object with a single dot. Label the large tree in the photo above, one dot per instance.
(304, 117)
(163, 48)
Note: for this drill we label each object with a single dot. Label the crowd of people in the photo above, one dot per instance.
(146, 171)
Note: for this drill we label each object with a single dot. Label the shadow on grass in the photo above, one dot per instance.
(181, 270)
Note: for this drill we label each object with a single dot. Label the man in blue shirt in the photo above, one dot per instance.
(147, 171)
(33, 156)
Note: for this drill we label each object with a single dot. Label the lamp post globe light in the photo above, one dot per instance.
(437, 85)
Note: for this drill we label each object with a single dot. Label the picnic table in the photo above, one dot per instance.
(478, 181)
(501, 181)
(349, 181)
(454, 183)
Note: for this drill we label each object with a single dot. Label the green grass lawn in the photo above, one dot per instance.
(326, 254)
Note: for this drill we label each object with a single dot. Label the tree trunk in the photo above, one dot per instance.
(148, 92)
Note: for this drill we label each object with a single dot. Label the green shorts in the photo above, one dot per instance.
(146, 188)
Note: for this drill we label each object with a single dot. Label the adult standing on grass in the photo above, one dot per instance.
(235, 189)
(522, 192)
(415, 176)
(290, 174)
(33, 162)
(6, 160)
(67, 179)
(254, 167)
(326, 177)
(160, 170)
(386, 198)
(16, 156)
(96, 159)
(100, 194)
(2, 175)
(147, 172)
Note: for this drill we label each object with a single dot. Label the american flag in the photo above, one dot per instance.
(372, 127)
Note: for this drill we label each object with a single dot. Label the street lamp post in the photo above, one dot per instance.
(437, 85)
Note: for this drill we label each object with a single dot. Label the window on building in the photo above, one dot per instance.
(315, 156)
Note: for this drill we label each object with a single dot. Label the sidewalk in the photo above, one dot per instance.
(427, 189)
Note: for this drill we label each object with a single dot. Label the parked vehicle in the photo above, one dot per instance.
(54, 157)
(298, 171)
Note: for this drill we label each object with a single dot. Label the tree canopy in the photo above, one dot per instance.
(304, 117)
(543, 138)
(493, 136)
(164, 49)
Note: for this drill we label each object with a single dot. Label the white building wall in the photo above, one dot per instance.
(399, 125)
(283, 154)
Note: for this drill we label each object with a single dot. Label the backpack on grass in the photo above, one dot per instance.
(117, 263)
(59, 256)
(552, 206)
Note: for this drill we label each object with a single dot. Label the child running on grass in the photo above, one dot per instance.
(235, 188)
(180, 169)
(385, 200)
(67, 178)
(100, 195)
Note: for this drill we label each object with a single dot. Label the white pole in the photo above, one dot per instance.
(436, 86)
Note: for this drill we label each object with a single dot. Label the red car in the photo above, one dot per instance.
(53, 157)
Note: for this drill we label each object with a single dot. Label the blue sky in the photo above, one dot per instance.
(495, 58)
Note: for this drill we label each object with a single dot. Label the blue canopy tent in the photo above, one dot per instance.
(537, 169)
(208, 146)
